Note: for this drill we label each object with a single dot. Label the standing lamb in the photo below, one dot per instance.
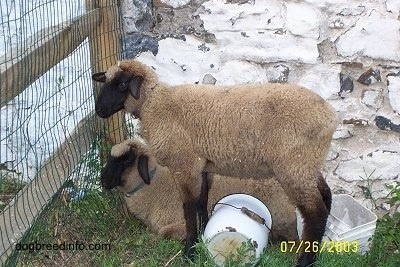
(245, 130)
(158, 205)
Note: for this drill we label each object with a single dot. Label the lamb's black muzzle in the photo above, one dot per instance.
(100, 113)
(110, 179)
(115, 167)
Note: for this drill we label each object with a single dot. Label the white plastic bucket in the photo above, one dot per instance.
(348, 221)
(231, 224)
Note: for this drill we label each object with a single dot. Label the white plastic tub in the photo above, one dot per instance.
(229, 226)
(348, 221)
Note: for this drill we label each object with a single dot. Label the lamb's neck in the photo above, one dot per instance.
(145, 99)
(141, 185)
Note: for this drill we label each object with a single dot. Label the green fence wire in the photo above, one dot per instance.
(49, 142)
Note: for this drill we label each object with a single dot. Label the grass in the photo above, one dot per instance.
(99, 219)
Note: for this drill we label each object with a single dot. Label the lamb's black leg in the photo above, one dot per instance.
(325, 192)
(190, 185)
(203, 212)
(311, 196)
(196, 211)
(315, 222)
(315, 215)
(190, 212)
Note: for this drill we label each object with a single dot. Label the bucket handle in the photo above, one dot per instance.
(251, 214)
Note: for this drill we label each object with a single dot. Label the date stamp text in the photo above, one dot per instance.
(328, 246)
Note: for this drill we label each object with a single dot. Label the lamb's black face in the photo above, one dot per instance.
(115, 167)
(113, 94)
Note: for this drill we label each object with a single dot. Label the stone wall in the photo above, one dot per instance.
(346, 51)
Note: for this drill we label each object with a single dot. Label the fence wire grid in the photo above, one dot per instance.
(49, 132)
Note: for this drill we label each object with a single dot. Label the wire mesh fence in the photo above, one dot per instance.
(49, 132)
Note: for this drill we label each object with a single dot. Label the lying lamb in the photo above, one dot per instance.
(245, 130)
(158, 204)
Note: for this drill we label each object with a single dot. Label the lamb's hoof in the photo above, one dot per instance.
(306, 259)
(190, 251)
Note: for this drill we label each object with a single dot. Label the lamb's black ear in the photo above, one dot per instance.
(143, 168)
(99, 77)
(134, 86)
